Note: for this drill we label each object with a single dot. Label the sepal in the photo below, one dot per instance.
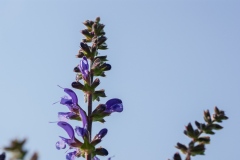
(99, 93)
(87, 147)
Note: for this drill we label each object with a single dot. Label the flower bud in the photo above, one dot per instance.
(101, 151)
(95, 83)
(80, 54)
(177, 156)
(77, 85)
(85, 48)
(101, 40)
(87, 34)
(97, 19)
(76, 69)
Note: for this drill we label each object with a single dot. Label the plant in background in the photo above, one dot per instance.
(197, 144)
(16, 148)
(91, 65)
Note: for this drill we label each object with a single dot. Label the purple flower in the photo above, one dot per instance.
(83, 117)
(71, 155)
(64, 116)
(72, 142)
(72, 101)
(82, 131)
(60, 145)
(83, 67)
(114, 105)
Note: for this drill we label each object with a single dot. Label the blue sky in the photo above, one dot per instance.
(170, 61)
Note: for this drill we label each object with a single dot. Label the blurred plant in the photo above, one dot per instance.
(197, 144)
(16, 148)
(91, 65)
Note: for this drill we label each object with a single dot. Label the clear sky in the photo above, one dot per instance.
(171, 59)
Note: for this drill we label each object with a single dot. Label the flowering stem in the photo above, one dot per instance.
(89, 127)
(89, 100)
(188, 156)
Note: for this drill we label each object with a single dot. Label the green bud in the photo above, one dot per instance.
(85, 49)
(103, 46)
(94, 28)
(94, 49)
(182, 148)
(102, 58)
(101, 40)
(215, 126)
(87, 34)
(96, 63)
(216, 110)
(200, 126)
(99, 93)
(177, 156)
(189, 131)
(97, 19)
(207, 117)
(95, 83)
(198, 150)
(80, 54)
(88, 24)
(205, 140)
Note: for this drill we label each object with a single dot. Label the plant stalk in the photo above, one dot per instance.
(89, 126)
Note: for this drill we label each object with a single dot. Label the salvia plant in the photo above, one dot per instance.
(90, 67)
(198, 141)
(80, 141)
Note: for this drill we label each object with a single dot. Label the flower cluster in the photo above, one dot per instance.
(85, 72)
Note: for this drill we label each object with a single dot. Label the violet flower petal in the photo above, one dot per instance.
(68, 128)
(83, 67)
(95, 158)
(71, 155)
(60, 144)
(102, 133)
(80, 131)
(114, 105)
(66, 101)
(72, 94)
(64, 116)
(83, 117)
